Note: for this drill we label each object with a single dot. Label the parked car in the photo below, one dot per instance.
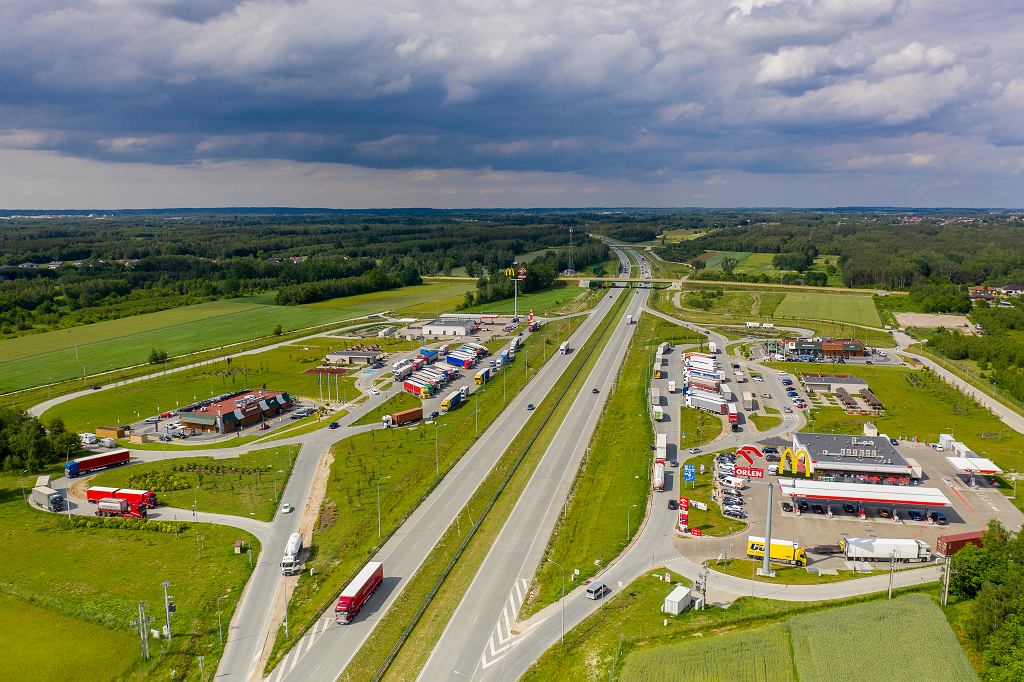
(893, 441)
(694, 451)
(787, 507)
(771, 457)
(736, 428)
(938, 518)
(915, 515)
(817, 509)
(803, 506)
(96, 387)
(849, 508)
(374, 391)
(766, 396)
(787, 410)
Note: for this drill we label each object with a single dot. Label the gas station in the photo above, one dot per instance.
(861, 494)
(969, 467)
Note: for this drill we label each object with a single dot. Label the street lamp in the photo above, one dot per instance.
(21, 482)
(562, 638)
(220, 629)
(378, 505)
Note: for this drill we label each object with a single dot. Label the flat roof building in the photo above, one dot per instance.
(353, 357)
(817, 347)
(850, 459)
(451, 326)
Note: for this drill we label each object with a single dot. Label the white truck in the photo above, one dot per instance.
(659, 477)
(748, 400)
(87, 438)
(712, 347)
(740, 376)
(47, 498)
(660, 447)
(884, 549)
(564, 348)
(290, 563)
(657, 413)
(629, 319)
(671, 387)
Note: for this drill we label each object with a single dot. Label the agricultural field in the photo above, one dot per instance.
(68, 574)
(281, 369)
(65, 354)
(713, 259)
(248, 485)
(674, 236)
(615, 475)
(919, 404)
(915, 632)
(851, 308)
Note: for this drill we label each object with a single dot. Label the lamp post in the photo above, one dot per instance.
(378, 505)
(21, 482)
(562, 638)
(220, 629)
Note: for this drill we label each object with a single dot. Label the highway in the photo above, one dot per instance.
(478, 633)
(325, 651)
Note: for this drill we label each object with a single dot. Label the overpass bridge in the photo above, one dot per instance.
(653, 283)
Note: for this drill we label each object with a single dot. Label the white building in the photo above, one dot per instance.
(450, 326)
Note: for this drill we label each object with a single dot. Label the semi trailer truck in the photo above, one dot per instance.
(100, 492)
(782, 551)
(884, 549)
(290, 563)
(122, 508)
(84, 465)
(403, 417)
(357, 592)
(47, 498)
(659, 476)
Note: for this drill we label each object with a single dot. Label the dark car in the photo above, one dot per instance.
(672, 504)
(96, 387)
(736, 428)
(803, 506)
(894, 441)
(938, 518)
(868, 362)
(333, 425)
(530, 406)
(916, 515)
(769, 450)
(817, 509)
(787, 507)
(884, 514)
(594, 390)
(435, 414)
(849, 508)
(772, 458)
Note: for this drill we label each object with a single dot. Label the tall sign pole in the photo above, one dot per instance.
(766, 564)
(515, 273)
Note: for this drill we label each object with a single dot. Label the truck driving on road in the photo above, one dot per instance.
(782, 551)
(403, 417)
(884, 549)
(122, 508)
(47, 498)
(358, 591)
(564, 348)
(290, 564)
(83, 465)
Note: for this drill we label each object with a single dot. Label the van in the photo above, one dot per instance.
(733, 482)
(108, 443)
(87, 438)
(597, 590)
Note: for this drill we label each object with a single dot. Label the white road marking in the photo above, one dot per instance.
(295, 659)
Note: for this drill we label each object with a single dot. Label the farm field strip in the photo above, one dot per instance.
(852, 308)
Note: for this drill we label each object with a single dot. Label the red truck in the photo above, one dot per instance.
(123, 508)
(145, 498)
(406, 416)
(948, 545)
(84, 465)
(358, 591)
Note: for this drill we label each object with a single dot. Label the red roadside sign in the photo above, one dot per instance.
(696, 532)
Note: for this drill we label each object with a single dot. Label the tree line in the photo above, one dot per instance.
(26, 443)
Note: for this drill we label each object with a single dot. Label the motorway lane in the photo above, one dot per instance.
(478, 633)
(325, 651)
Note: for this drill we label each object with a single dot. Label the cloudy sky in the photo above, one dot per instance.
(137, 103)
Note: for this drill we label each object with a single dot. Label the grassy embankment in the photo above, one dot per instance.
(396, 403)
(918, 403)
(784, 575)
(345, 536)
(527, 449)
(711, 521)
(281, 369)
(248, 485)
(630, 638)
(614, 475)
(83, 587)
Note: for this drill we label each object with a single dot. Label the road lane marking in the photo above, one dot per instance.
(295, 659)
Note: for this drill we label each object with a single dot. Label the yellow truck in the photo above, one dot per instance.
(782, 551)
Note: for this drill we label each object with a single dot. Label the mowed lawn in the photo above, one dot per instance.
(278, 369)
(59, 355)
(851, 308)
(541, 302)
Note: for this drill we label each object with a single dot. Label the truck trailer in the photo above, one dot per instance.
(782, 551)
(122, 508)
(734, 415)
(451, 401)
(47, 498)
(290, 563)
(84, 465)
(96, 493)
(884, 549)
(358, 591)
(482, 377)
(402, 372)
(701, 403)
(403, 417)
(948, 545)
(659, 476)
(564, 348)
(748, 400)
(712, 348)
(458, 361)
(428, 354)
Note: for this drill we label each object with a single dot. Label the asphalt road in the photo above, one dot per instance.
(478, 633)
(327, 648)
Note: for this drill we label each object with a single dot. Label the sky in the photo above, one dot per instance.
(506, 103)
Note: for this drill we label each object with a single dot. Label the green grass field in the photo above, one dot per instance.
(281, 369)
(711, 521)
(698, 426)
(53, 356)
(615, 476)
(543, 303)
(87, 650)
(784, 575)
(837, 307)
(919, 644)
(95, 578)
(254, 491)
(917, 403)
(714, 261)
(765, 422)
(396, 403)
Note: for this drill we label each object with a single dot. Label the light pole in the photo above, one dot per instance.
(202, 672)
(21, 482)
(220, 629)
(562, 638)
(378, 505)
(167, 608)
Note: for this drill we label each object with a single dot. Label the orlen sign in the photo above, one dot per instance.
(684, 512)
(748, 472)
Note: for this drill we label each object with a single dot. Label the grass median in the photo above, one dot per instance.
(402, 462)
(513, 470)
(248, 485)
(615, 474)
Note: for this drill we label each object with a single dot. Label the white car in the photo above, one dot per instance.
(757, 378)
(152, 420)
(287, 508)
(374, 391)
(694, 451)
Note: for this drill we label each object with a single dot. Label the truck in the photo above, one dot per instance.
(564, 348)
(748, 400)
(357, 592)
(403, 417)
(428, 354)
(482, 377)
(123, 508)
(752, 325)
(451, 401)
(290, 563)
(782, 551)
(84, 465)
(734, 416)
(948, 545)
(712, 348)
(401, 373)
(740, 376)
(659, 476)
(726, 392)
(706, 404)
(458, 360)
(884, 549)
(657, 413)
(47, 498)
(671, 387)
(629, 319)
(146, 498)
(660, 447)
(417, 389)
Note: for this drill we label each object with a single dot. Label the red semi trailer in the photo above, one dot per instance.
(358, 591)
(948, 545)
(84, 465)
(146, 498)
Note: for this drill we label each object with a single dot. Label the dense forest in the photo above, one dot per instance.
(25, 443)
(89, 269)
(992, 580)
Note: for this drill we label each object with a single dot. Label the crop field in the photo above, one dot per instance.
(248, 485)
(714, 260)
(917, 641)
(41, 646)
(73, 574)
(852, 308)
(759, 655)
(65, 354)
(281, 369)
